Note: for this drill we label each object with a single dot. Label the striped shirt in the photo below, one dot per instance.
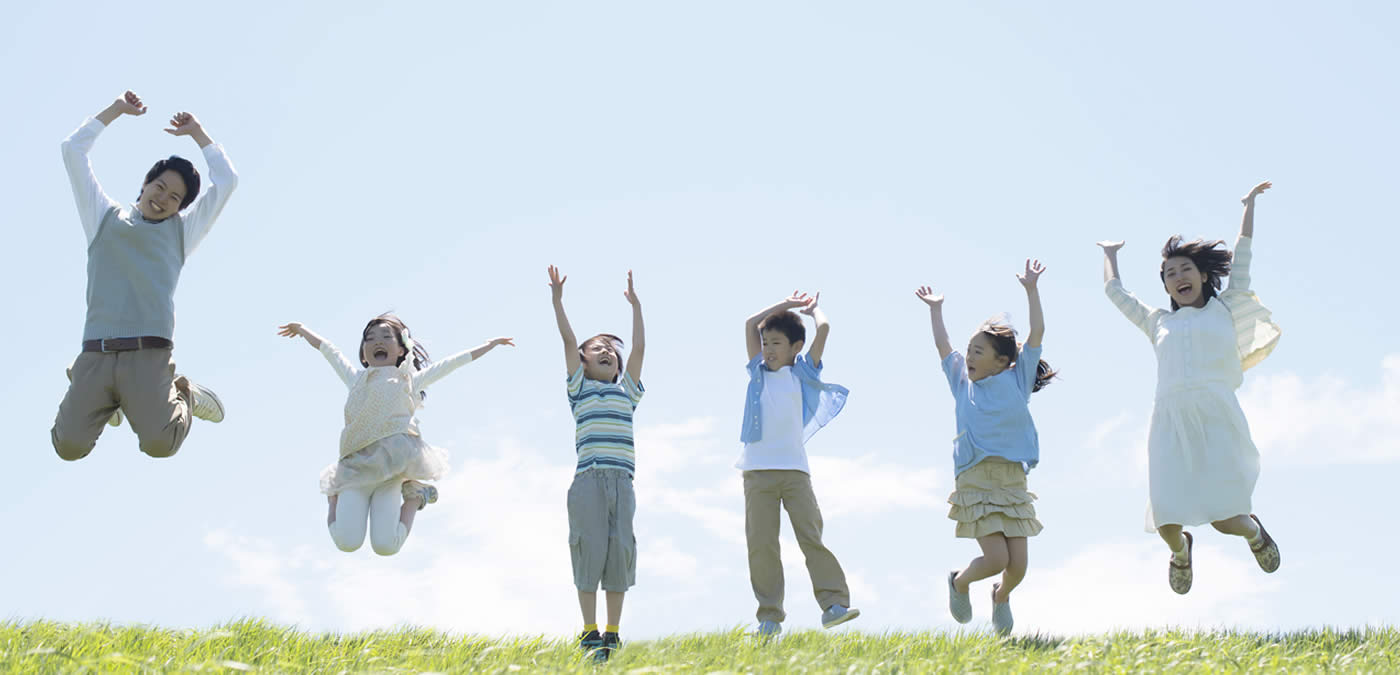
(603, 415)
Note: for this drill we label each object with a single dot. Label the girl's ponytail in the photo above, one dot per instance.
(1043, 374)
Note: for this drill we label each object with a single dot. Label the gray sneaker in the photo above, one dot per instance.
(1001, 614)
(413, 489)
(959, 604)
(204, 403)
(836, 615)
(1179, 575)
(768, 629)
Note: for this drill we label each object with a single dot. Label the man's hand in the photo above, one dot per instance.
(126, 104)
(185, 124)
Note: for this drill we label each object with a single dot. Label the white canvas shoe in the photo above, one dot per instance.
(204, 403)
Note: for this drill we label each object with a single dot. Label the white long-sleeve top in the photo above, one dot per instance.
(94, 203)
(383, 399)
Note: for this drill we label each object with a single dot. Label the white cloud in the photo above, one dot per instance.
(1325, 419)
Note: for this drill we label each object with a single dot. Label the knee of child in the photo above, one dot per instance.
(999, 560)
(385, 548)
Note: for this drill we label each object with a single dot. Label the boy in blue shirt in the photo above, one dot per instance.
(786, 404)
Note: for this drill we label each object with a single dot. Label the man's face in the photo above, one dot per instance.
(161, 197)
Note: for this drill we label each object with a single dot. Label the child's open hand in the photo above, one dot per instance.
(556, 283)
(810, 307)
(1255, 191)
(1110, 247)
(496, 342)
(1032, 273)
(797, 299)
(631, 293)
(291, 330)
(926, 294)
(183, 124)
(129, 104)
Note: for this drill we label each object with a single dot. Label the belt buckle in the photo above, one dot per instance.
(102, 345)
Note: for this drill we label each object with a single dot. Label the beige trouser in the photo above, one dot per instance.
(141, 383)
(763, 491)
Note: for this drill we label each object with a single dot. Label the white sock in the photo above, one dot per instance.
(1183, 554)
(1258, 535)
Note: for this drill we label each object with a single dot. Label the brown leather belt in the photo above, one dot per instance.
(127, 344)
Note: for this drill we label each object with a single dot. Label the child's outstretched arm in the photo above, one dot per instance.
(1030, 280)
(556, 290)
(1247, 220)
(343, 367)
(639, 342)
(935, 313)
(295, 329)
(752, 339)
(440, 369)
(491, 344)
(814, 352)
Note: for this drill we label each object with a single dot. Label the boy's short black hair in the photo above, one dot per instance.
(187, 173)
(788, 323)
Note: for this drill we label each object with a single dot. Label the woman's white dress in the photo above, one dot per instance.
(1202, 463)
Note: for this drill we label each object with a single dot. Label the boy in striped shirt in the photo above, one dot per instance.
(603, 396)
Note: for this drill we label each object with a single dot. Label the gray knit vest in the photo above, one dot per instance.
(133, 266)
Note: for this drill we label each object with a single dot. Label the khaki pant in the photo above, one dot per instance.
(141, 383)
(763, 491)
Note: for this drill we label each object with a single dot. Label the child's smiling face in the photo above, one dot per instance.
(982, 358)
(600, 361)
(1185, 282)
(778, 351)
(381, 347)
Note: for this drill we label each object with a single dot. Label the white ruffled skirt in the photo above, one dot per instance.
(397, 457)
(1202, 463)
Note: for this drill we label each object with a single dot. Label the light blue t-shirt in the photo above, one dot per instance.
(993, 416)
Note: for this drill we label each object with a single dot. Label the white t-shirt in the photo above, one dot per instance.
(781, 408)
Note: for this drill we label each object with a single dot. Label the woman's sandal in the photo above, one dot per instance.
(1179, 575)
(1266, 551)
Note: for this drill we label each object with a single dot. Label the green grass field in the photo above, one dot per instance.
(255, 646)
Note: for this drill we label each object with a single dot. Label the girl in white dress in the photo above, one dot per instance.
(383, 459)
(1202, 463)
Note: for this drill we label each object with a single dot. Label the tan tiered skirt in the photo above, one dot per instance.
(991, 497)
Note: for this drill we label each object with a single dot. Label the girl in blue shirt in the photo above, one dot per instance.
(995, 446)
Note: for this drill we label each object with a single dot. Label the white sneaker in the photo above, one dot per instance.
(959, 604)
(413, 489)
(204, 403)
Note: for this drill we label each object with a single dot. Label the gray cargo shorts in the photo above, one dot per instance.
(601, 543)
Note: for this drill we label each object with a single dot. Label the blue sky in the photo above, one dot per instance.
(434, 159)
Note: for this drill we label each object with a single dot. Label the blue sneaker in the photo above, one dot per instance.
(768, 629)
(836, 615)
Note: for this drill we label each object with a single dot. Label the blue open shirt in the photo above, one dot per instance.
(993, 415)
(820, 401)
